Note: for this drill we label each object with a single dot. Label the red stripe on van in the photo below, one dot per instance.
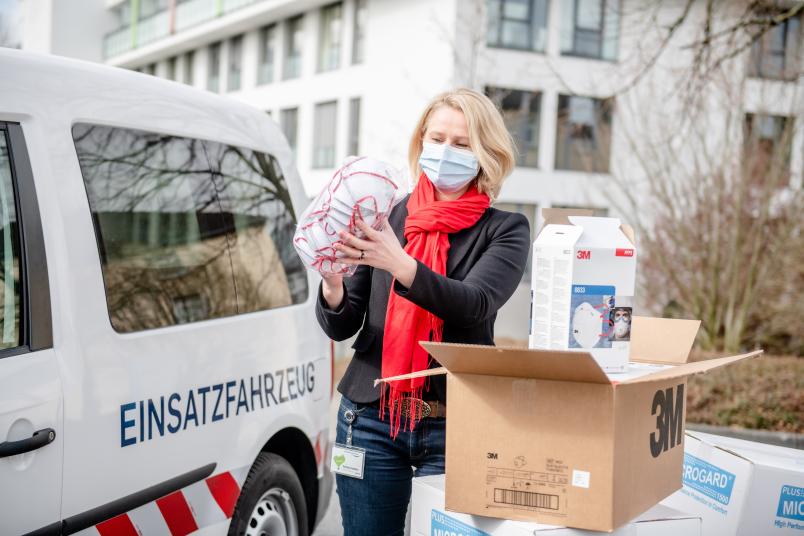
(177, 514)
(117, 526)
(225, 490)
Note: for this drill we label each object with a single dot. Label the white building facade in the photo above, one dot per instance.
(352, 77)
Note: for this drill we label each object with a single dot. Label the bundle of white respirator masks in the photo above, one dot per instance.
(362, 188)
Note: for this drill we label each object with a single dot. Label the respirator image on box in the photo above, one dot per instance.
(586, 325)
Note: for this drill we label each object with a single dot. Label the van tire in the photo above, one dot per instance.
(273, 480)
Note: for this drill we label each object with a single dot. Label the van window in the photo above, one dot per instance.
(254, 197)
(187, 230)
(10, 254)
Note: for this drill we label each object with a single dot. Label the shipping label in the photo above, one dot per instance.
(514, 485)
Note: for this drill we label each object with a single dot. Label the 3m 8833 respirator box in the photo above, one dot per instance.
(582, 296)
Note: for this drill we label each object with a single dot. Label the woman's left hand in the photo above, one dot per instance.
(380, 249)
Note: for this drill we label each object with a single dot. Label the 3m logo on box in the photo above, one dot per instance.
(669, 420)
(707, 479)
(444, 525)
(791, 503)
(584, 255)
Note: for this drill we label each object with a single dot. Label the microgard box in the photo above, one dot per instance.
(582, 295)
(430, 518)
(741, 488)
(547, 436)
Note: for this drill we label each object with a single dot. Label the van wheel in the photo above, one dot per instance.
(271, 502)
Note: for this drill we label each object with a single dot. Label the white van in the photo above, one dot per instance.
(161, 369)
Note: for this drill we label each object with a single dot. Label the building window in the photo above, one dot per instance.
(293, 48)
(590, 28)
(265, 73)
(583, 136)
(529, 211)
(324, 134)
(359, 39)
(329, 38)
(214, 67)
(289, 123)
(189, 71)
(774, 54)
(354, 126)
(187, 230)
(520, 24)
(171, 68)
(768, 143)
(235, 63)
(151, 7)
(521, 112)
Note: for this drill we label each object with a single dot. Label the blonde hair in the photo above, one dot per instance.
(489, 140)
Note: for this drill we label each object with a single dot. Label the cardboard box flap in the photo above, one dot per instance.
(419, 374)
(560, 216)
(516, 362)
(784, 458)
(688, 369)
(628, 231)
(559, 235)
(662, 340)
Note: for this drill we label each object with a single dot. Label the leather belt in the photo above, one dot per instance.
(429, 408)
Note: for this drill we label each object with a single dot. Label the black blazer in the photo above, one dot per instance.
(484, 266)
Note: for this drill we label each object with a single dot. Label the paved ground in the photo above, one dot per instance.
(331, 524)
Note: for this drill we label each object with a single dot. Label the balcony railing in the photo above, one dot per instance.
(158, 26)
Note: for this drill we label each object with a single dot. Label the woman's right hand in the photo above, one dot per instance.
(332, 288)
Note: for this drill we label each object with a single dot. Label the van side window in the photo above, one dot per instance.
(187, 230)
(10, 327)
(254, 197)
(161, 236)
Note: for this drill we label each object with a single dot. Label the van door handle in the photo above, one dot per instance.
(39, 439)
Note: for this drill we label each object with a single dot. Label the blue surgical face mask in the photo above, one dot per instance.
(448, 168)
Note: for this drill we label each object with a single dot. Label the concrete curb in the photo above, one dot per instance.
(783, 439)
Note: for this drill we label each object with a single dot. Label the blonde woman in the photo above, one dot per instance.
(440, 270)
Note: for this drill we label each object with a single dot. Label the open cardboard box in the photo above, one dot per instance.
(547, 436)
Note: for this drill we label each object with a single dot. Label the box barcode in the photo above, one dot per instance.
(526, 498)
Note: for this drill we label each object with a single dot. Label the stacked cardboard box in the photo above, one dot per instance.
(586, 428)
(741, 488)
(430, 518)
(547, 436)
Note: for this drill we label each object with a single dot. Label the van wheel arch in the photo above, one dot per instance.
(294, 446)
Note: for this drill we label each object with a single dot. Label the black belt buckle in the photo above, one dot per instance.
(408, 404)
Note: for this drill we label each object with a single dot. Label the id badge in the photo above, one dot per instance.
(348, 461)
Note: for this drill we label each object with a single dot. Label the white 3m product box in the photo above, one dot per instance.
(741, 488)
(430, 518)
(582, 295)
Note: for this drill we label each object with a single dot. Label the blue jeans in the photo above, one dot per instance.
(378, 503)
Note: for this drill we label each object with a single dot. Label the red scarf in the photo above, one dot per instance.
(427, 227)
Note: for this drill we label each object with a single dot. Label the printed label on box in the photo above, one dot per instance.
(517, 488)
(443, 525)
(580, 479)
(791, 503)
(708, 479)
(589, 314)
